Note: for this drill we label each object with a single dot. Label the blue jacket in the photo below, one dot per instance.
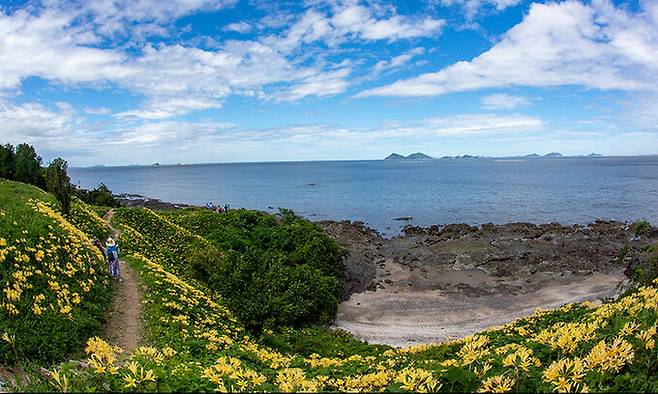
(112, 249)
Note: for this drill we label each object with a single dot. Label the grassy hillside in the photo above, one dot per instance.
(54, 281)
(196, 343)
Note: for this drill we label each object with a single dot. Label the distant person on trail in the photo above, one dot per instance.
(112, 254)
(97, 244)
(226, 207)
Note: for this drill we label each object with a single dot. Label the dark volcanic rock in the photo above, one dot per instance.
(135, 200)
(513, 251)
(363, 245)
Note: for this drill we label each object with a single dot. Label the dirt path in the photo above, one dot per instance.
(123, 325)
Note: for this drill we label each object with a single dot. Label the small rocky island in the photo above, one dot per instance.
(413, 156)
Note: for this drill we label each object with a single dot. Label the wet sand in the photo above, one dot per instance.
(406, 317)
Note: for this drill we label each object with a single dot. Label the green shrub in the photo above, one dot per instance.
(641, 228)
(270, 273)
(101, 195)
(264, 290)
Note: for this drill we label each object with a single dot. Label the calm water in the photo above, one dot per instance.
(570, 190)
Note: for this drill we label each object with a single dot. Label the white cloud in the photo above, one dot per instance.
(174, 79)
(596, 46)
(58, 132)
(350, 20)
(97, 110)
(396, 61)
(319, 85)
(357, 20)
(473, 7)
(32, 122)
(44, 45)
(238, 27)
(504, 101)
(156, 109)
(144, 17)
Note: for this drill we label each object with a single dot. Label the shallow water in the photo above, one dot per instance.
(568, 190)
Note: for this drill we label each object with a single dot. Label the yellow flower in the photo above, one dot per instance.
(497, 384)
(419, 380)
(130, 382)
(10, 339)
(61, 381)
(610, 358)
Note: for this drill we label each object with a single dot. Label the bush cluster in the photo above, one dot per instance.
(99, 196)
(271, 271)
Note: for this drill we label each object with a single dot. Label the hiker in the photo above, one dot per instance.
(97, 244)
(112, 254)
(226, 207)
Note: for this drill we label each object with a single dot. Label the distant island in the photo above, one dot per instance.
(422, 156)
(413, 156)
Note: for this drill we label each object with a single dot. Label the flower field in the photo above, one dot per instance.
(195, 343)
(54, 281)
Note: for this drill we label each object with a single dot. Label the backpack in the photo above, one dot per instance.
(112, 256)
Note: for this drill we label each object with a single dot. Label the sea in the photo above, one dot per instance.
(425, 192)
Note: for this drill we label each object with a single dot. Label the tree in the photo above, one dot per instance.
(101, 195)
(7, 161)
(28, 165)
(59, 183)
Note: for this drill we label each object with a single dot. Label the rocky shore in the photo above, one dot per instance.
(136, 200)
(455, 279)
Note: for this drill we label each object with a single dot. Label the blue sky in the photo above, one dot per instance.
(120, 82)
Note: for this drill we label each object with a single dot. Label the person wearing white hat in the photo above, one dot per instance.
(112, 254)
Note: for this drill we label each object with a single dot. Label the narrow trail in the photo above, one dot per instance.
(123, 324)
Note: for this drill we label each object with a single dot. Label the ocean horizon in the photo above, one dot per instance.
(570, 190)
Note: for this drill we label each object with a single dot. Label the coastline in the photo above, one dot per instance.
(436, 283)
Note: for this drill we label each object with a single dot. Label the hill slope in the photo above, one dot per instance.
(196, 343)
(54, 281)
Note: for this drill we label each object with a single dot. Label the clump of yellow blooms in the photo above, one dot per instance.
(418, 380)
(521, 359)
(567, 375)
(375, 381)
(102, 356)
(228, 374)
(474, 348)
(48, 273)
(567, 336)
(291, 380)
(610, 358)
(137, 375)
(497, 384)
(647, 337)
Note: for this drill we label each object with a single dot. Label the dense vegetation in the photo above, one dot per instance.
(271, 272)
(23, 164)
(195, 342)
(99, 196)
(54, 281)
